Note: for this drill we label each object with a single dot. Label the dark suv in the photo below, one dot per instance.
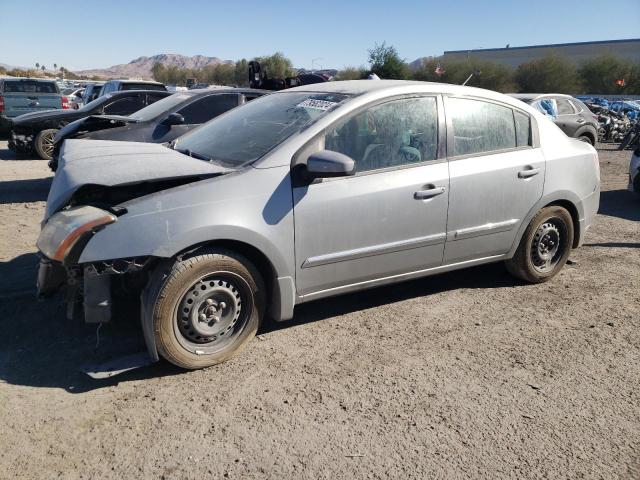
(119, 85)
(570, 114)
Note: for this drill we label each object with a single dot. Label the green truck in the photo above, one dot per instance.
(26, 95)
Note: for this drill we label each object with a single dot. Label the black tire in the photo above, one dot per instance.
(43, 143)
(626, 140)
(537, 259)
(207, 308)
(586, 138)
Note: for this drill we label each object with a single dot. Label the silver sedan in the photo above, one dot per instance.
(309, 193)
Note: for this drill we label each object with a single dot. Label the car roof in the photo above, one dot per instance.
(225, 90)
(150, 82)
(24, 79)
(124, 93)
(535, 96)
(376, 88)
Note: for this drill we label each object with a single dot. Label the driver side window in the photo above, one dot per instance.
(394, 133)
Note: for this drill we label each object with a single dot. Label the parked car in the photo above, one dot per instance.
(74, 97)
(308, 193)
(634, 172)
(120, 85)
(161, 122)
(35, 132)
(24, 95)
(91, 92)
(572, 116)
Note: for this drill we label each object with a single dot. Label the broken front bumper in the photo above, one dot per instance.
(51, 277)
(21, 143)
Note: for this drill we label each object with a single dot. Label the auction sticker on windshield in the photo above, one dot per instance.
(323, 105)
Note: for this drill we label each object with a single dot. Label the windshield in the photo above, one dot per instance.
(247, 133)
(161, 106)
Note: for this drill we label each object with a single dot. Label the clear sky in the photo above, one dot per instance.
(80, 34)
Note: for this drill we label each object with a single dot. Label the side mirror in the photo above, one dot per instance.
(173, 119)
(327, 164)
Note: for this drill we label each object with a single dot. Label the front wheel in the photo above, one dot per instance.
(626, 141)
(44, 143)
(544, 247)
(207, 308)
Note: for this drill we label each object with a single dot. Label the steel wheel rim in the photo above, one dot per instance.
(213, 312)
(48, 143)
(548, 245)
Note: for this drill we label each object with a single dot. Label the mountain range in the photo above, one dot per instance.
(141, 66)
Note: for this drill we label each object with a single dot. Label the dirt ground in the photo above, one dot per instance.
(464, 375)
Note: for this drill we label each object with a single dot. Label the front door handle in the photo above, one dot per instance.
(429, 193)
(580, 120)
(528, 173)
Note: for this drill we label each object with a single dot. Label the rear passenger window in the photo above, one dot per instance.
(564, 107)
(204, 109)
(395, 133)
(523, 129)
(480, 126)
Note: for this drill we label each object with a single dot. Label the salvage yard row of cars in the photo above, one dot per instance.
(212, 209)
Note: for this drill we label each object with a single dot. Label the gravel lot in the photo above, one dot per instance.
(464, 375)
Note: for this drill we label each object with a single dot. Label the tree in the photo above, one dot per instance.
(551, 74)
(43, 68)
(276, 65)
(351, 73)
(158, 72)
(241, 73)
(37, 65)
(386, 63)
(492, 75)
(599, 75)
(55, 66)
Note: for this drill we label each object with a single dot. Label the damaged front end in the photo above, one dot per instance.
(89, 193)
(21, 140)
(60, 243)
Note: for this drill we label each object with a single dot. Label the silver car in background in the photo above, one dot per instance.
(309, 193)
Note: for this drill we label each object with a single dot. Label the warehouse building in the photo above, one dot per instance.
(575, 52)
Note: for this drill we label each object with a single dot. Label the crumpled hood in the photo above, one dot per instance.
(111, 163)
(35, 117)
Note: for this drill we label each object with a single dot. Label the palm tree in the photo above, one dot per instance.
(43, 68)
(37, 65)
(62, 72)
(55, 66)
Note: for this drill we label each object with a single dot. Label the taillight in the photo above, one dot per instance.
(1, 104)
(65, 103)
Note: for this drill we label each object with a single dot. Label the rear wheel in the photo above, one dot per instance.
(544, 247)
(586, 139)
(44, 143)
(207, 308)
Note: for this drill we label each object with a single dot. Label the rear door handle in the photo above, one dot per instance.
(429, 193)
(528, 173)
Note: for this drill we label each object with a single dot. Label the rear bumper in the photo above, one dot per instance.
(590, 205)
